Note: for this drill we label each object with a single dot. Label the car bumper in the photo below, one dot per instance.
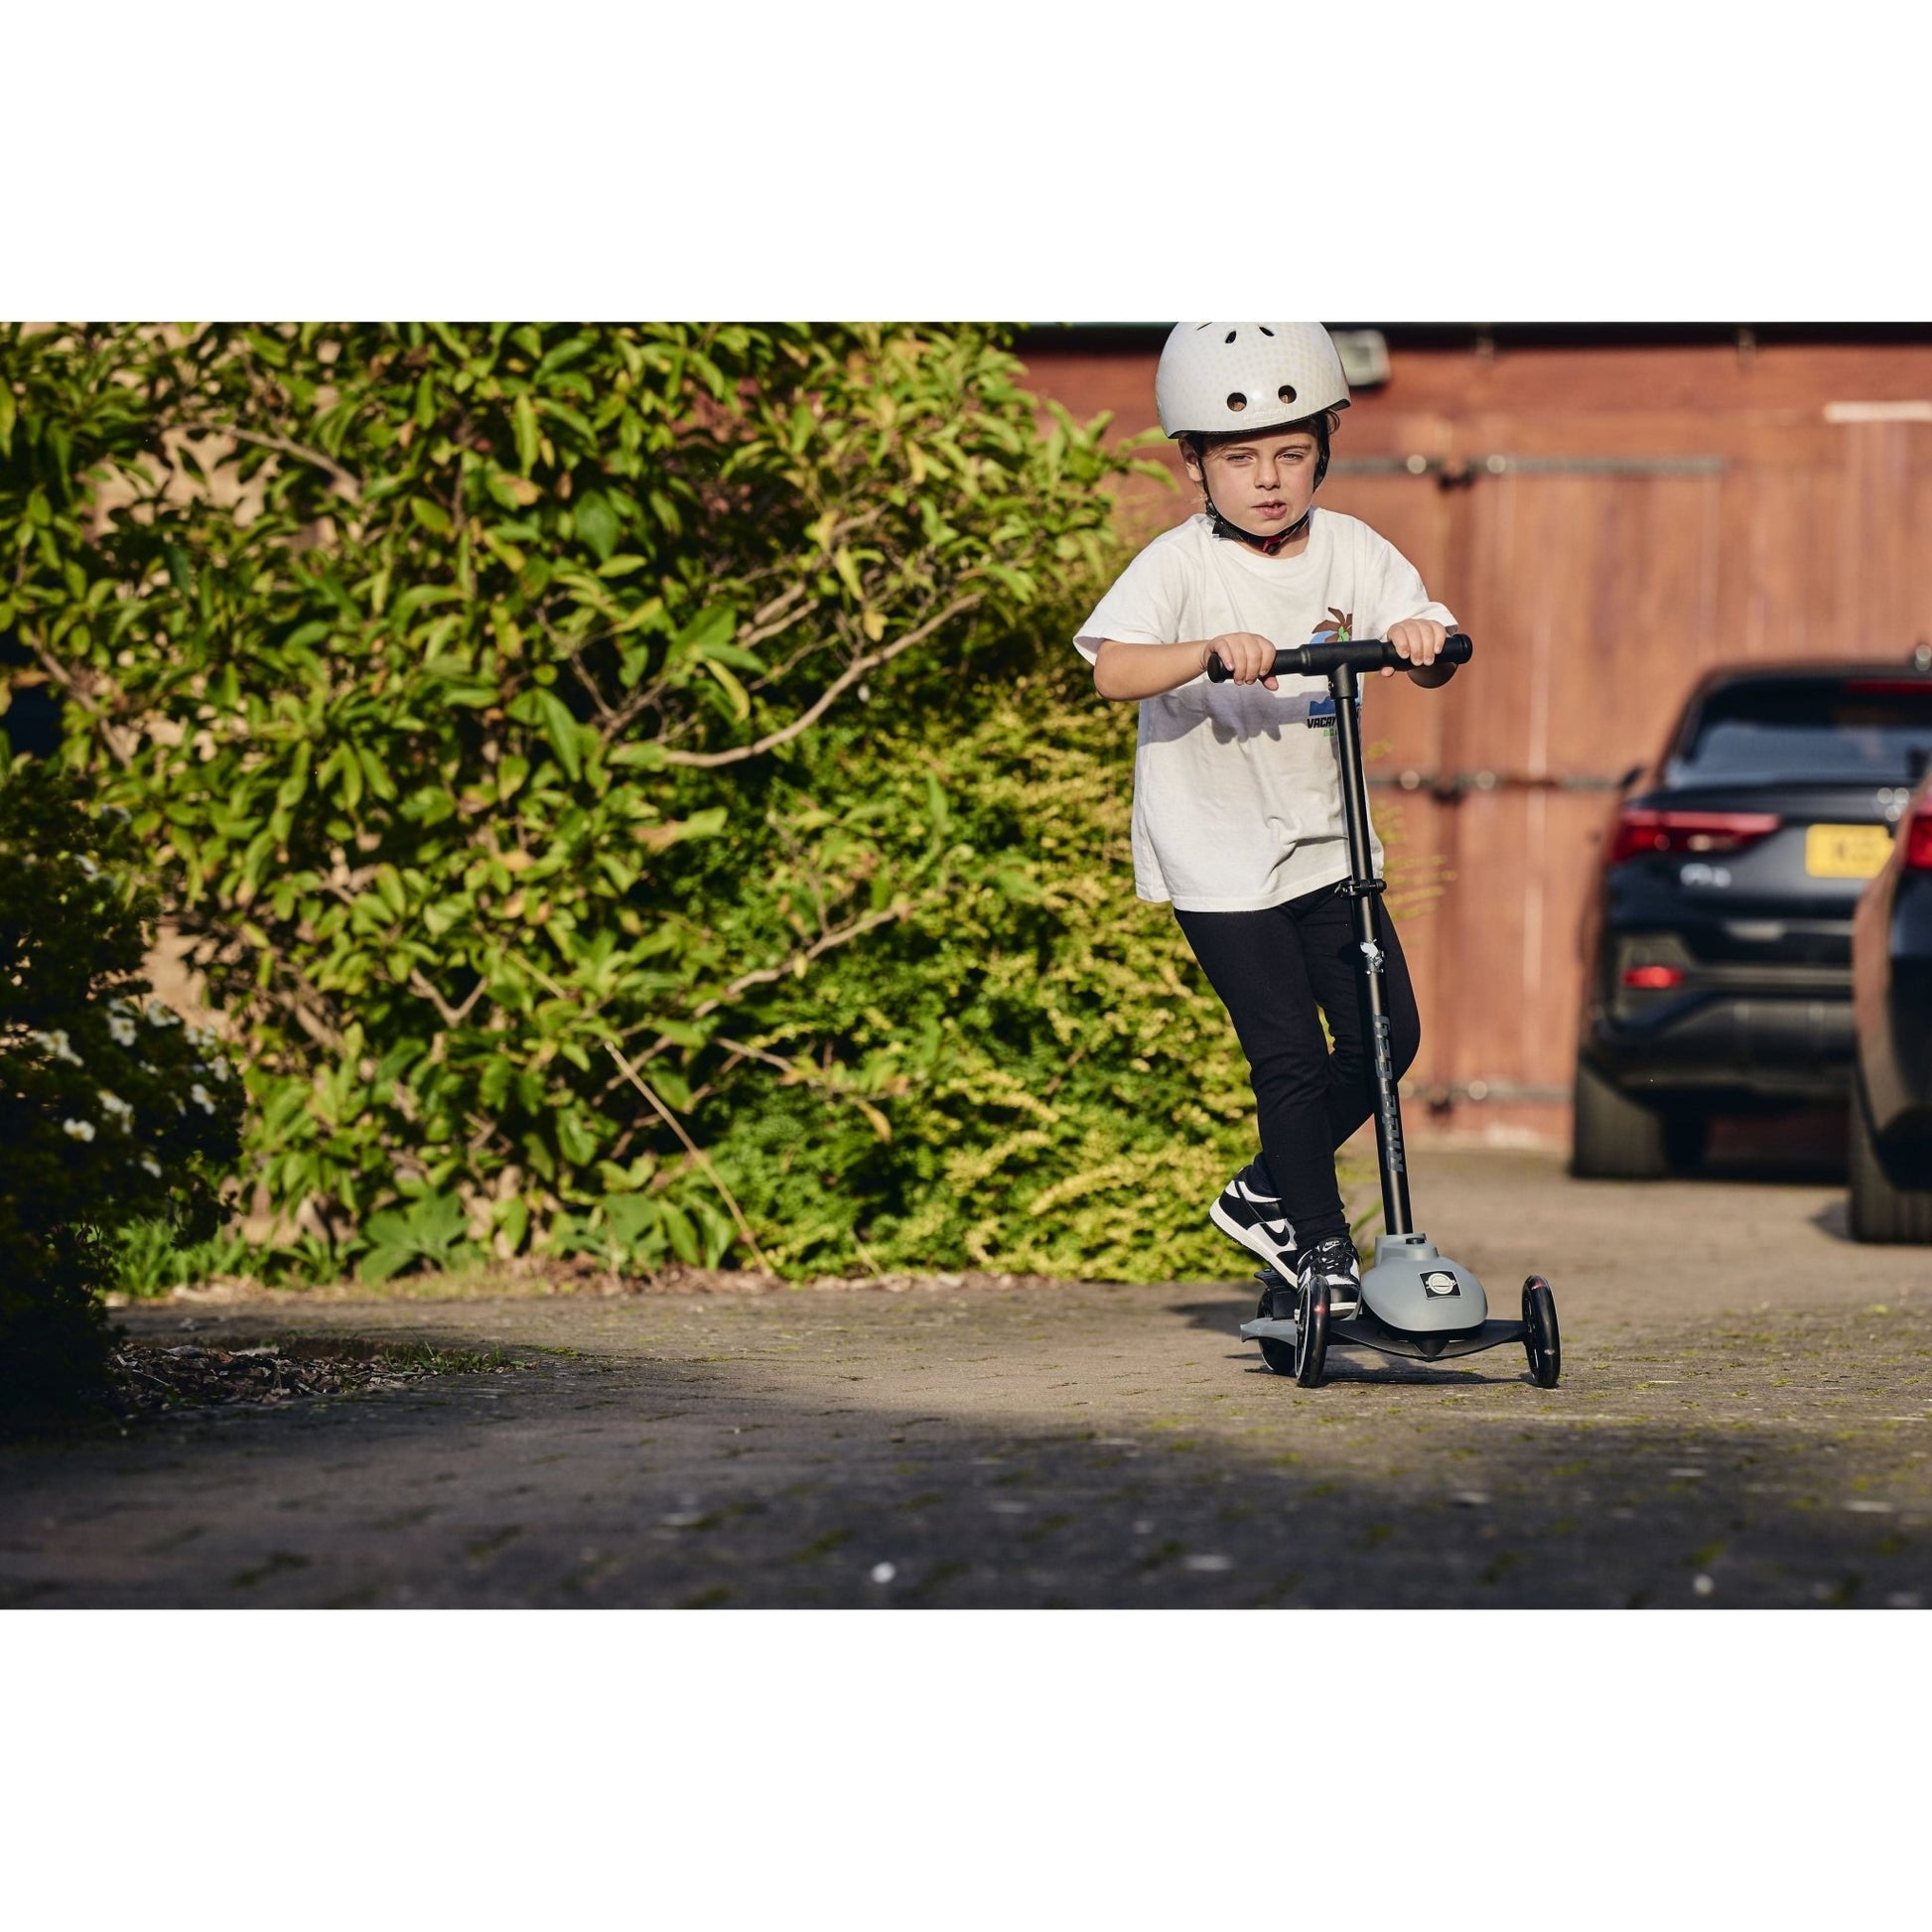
(1767, 1047)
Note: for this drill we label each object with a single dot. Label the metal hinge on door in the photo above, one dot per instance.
(1457, 471)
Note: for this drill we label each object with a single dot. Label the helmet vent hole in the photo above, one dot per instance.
(1264, 328)
(1232, 333)
(1237, 402)
(1287, 392)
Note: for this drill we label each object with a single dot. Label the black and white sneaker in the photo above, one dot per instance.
(1246, 1214)
(1333, 1262)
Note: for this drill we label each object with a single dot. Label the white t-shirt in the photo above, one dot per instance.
(1237, 800)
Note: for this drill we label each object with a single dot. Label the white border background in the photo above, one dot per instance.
(1395, 163)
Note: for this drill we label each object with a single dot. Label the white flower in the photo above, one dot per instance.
(152, 1164)
(160, 1016)
(221, 1068)
(57, 1043)
(88, 867)
(198, 1094)
(112, 1103)
(81, 1129)
(122, 1028)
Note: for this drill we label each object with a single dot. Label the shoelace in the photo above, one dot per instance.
(1335, 1260)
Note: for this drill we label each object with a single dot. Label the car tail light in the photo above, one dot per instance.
(1918, 840)
(1641, 833)
(1653, 979)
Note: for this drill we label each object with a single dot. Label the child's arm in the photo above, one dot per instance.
(1129, 672)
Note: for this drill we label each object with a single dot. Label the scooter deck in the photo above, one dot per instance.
(1365, 1331)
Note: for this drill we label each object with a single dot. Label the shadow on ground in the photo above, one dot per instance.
(1086, 1447)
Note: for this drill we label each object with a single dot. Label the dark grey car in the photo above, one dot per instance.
(1891, 1002)
(1718, 945)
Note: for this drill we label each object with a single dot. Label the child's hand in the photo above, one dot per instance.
(1250, 658)
(1418, 639)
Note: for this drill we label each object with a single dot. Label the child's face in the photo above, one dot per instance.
(1264, 482)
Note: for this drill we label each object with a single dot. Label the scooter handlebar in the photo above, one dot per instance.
(1364, 654)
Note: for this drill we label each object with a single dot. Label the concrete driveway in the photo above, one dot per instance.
(1743, 1420)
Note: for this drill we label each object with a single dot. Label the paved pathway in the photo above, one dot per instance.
(1743, 1420)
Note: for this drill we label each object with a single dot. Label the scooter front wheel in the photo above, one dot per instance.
(1311, 1336)
(1541, 1341)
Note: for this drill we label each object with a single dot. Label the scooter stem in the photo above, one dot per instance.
(1365, 889)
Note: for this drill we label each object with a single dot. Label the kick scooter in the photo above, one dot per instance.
(1415, 1301)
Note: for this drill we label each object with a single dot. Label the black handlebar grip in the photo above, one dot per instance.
(1366, 654)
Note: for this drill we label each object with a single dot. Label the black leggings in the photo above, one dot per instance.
(1273, 969)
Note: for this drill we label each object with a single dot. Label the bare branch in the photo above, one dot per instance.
(824, 945)
(347, 484)
(826, 698)
(451, 1015)
(697, 1154)
(765, 974)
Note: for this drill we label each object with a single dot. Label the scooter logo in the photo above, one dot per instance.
(1439, 1281)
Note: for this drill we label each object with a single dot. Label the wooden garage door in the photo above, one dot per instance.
(1603, 562)
(1590, 581)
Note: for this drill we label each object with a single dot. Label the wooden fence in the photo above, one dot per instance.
(1609, 514)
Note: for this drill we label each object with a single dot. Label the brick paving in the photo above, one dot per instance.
(1743, 1420)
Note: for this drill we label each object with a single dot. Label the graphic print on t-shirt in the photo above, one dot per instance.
(1321, 711)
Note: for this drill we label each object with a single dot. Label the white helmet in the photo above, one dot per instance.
(1234, 375)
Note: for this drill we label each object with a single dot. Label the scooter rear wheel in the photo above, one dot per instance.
(1311, 1336)
(1279, 1356)
(1541, 1341)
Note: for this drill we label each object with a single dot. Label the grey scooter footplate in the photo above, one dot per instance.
(1364, 1332)
(1266, 1325)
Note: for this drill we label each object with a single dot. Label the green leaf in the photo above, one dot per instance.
(575, 1141)
(562, 730)
(596, 525)
(740, 703)
(711, 627)
(380, 1262)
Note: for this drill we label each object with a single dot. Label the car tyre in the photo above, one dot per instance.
(1881, 1209)
(1616, 1137)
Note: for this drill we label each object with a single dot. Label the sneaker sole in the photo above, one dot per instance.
(1256, 1242)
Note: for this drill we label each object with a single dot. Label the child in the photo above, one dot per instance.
(1237, 803)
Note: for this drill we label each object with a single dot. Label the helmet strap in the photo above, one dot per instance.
(1268, 546)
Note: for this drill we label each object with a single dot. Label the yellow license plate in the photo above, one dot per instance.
(1846, 851)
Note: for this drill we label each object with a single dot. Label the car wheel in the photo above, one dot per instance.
(1616, 1137)
(1881, 1209)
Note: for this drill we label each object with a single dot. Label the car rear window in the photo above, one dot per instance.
(1872, 730)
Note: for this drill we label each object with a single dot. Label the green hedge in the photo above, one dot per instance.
(628, 788)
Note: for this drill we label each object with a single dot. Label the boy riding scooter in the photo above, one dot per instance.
(1256, 827)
